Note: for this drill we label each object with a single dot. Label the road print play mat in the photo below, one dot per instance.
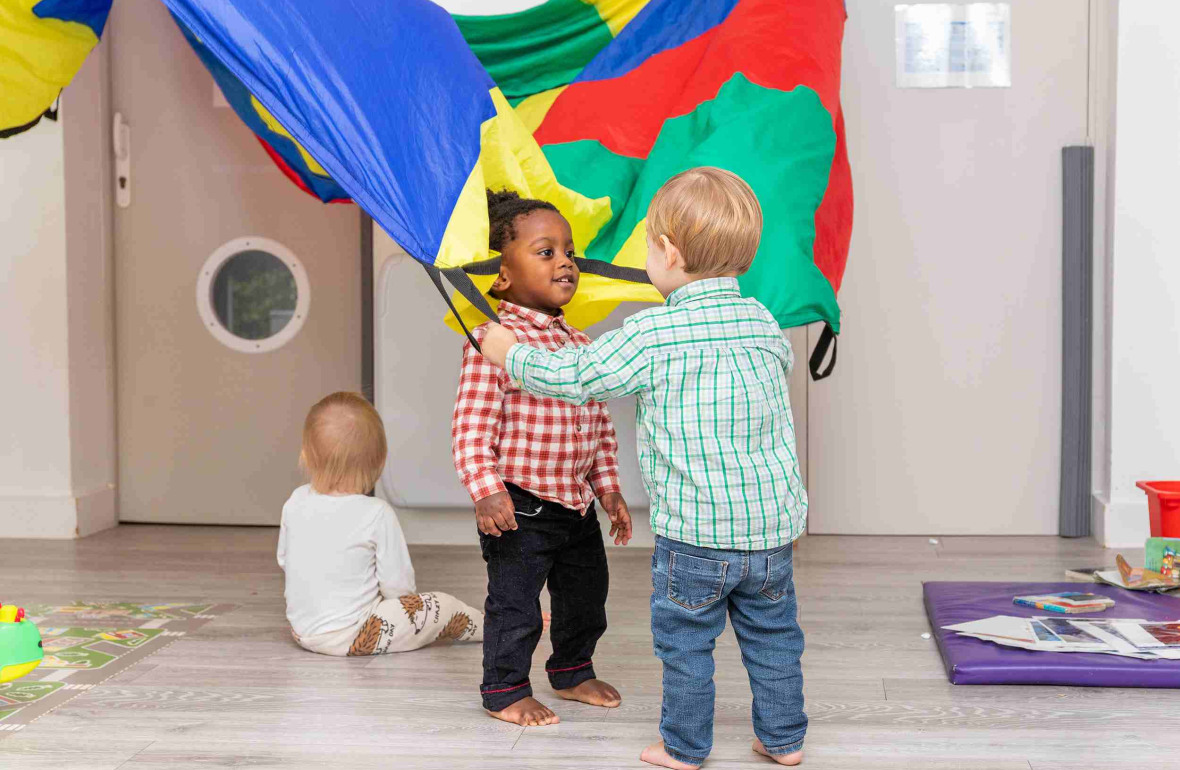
(87, 643)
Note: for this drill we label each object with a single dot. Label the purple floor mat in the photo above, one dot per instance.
(973, 661)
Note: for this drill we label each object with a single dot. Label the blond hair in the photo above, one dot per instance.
(343, 445)
(712, 216)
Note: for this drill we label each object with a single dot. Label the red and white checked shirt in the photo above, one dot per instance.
(559, 452)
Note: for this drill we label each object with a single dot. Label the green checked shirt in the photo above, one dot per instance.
(715, 433)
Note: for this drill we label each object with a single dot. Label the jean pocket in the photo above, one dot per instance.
(779, 573)
(694, 582)
(523, 505)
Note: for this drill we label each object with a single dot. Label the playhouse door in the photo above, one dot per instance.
(237, 295)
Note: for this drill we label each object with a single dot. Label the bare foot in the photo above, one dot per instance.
(593, 691)
(794, 758)
(656, 755)
(527, 712)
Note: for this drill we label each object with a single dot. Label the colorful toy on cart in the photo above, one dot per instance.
(20, 644)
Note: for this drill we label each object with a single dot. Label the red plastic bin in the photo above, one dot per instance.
(1163, 505)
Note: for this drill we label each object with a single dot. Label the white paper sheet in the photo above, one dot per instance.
(1135, 634)
(1005, 626)
(954, 46)
(1112, 636)
(1113, 577)
(1109, 632)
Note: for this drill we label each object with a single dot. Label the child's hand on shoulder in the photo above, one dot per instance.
(620, 517)
(497, 343)
(495, 514)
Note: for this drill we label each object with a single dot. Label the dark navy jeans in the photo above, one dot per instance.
(555, 545)
(693, 589)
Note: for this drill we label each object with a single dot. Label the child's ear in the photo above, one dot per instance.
(502, 282)
(672, 257)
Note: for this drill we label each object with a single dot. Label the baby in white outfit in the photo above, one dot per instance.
(350, 584)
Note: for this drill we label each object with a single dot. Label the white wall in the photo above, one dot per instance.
(57, 468)
(943, 415)
(34, 389)
(1102, 127)
(1145, 289)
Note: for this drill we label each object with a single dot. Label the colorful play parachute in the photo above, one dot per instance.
(622, 95)
(591, 104)
(42, 45)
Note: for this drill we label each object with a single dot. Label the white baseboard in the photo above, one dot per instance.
(97, 511)
(1119, 523)
(41, 516)
(56, 517)
(452, 527)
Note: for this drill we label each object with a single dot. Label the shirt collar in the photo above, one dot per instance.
(704, 289)
(532, 317)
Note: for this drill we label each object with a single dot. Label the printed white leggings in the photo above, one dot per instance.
(400, 625)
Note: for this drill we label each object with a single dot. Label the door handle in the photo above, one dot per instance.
(121, 144)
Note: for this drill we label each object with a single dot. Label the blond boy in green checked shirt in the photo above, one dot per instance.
(717, 452)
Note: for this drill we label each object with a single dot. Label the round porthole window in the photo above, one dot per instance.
(253, 295)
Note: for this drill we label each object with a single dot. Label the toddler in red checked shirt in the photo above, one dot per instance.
(533, 467)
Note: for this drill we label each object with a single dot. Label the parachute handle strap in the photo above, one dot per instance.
(460, 278)
(50, 114)
(827, 339)
(465, 286)
(587, 266)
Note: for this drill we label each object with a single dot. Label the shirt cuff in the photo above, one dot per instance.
(517, 359)
(604, 484)
(484, 483)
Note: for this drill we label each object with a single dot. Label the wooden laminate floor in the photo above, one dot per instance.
(239, 693)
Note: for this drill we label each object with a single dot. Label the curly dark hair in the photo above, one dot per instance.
(504, 207)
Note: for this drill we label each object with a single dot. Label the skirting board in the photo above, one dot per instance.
(57, 517)
(1118, 524)
(451, 527)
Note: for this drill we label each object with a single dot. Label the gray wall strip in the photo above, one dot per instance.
(1077, 253)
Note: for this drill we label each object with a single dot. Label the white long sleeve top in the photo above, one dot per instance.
(341, 554)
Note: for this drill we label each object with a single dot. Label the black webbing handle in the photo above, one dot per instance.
(460, 278)
(587, 266)
(464, 285)
(827, 339)
(50, 114)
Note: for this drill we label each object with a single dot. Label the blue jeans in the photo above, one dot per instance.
(692, 589)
